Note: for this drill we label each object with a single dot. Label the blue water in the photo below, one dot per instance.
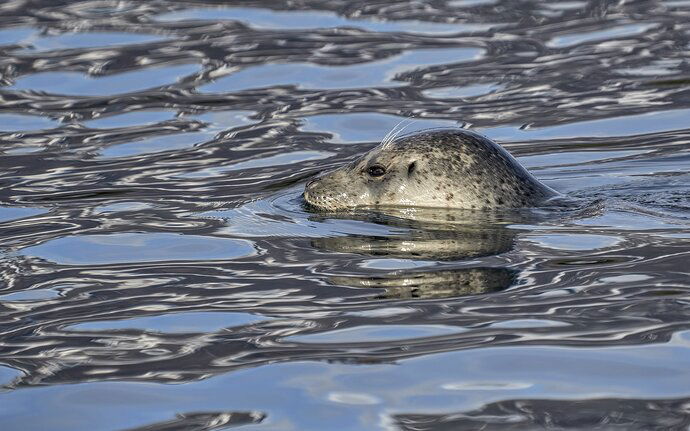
(159, 271)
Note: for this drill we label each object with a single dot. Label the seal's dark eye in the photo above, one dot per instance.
(376, 170)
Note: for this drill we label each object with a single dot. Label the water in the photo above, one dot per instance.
(158, 269)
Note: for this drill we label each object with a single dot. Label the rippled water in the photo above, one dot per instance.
(159, 272)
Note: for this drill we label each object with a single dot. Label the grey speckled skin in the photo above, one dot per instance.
(451, 168)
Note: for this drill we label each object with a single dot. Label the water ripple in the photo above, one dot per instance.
(153, 156)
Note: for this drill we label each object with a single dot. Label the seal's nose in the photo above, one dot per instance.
(310, 183)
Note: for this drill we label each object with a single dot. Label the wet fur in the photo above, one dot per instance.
(441, 168)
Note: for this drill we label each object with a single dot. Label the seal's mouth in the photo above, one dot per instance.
(313, 204)
(329, 193)
(321, 202)
(314, 195)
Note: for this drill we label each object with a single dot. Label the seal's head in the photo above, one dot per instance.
(451, 168)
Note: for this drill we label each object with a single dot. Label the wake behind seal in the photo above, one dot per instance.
(447, 168)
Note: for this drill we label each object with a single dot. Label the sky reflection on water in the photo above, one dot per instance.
(159, 269)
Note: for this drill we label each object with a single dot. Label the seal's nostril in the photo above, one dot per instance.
(310, 183)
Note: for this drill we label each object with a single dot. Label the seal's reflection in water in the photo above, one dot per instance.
(435, 284)
(431, 235)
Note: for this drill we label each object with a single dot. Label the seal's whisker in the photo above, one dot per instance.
(384, 141)
(395, 132)
(399, 132)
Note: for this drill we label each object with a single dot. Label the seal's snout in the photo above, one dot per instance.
(314, 193)
(311, 190)
(311, 185)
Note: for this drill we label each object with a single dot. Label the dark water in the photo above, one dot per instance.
(158, 270)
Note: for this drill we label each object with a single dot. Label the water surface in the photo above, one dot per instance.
(158, 270)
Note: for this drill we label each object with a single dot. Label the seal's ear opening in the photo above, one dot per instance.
(411, 168)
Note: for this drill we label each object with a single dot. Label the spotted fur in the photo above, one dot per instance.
(451, 168)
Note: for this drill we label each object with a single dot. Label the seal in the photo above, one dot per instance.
(446, 168)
